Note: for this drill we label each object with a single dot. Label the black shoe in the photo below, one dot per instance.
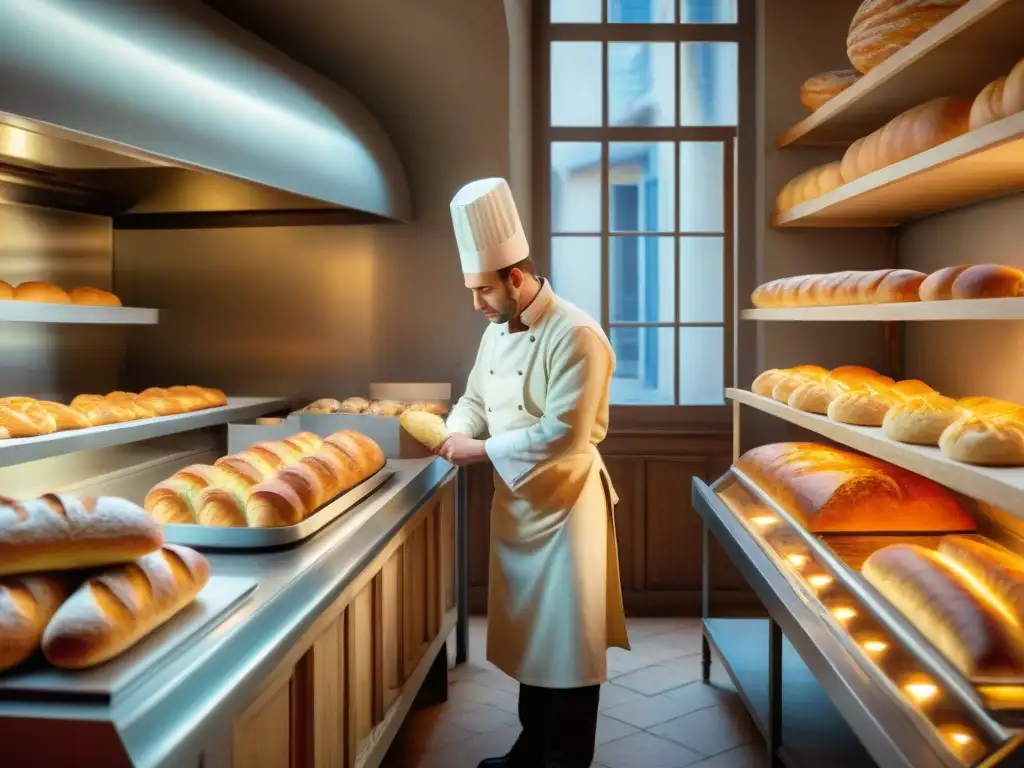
(500, 762)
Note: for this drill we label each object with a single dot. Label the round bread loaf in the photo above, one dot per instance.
(6, 291)
(985, 439)
(93, 297)
(881, 28)
(354, 405)
(821, 88)
(920, 420)
(41, 292)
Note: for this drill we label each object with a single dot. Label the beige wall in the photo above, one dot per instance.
(320, 311)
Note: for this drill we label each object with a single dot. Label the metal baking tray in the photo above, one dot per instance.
(38, 681)
(217, 537)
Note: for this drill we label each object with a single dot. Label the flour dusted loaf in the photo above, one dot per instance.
(60, 532)
(993, 438)
(118, 607)
(940, 597)
(829, 491)
(881, 28)
(920, 420)
(821, 88)
(816, 396)
(27, 603)
(867, 403)
(427, 428)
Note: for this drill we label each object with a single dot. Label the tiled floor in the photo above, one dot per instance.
(655, 712)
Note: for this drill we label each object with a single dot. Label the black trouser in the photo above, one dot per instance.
(559, 727)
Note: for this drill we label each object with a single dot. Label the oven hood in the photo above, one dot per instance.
(169, 107)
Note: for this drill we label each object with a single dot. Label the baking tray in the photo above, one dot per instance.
(38, 681)
(217, 537)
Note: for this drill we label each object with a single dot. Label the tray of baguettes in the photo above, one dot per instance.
(83, 580)
(271, 494)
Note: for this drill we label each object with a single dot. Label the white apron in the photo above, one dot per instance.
(555, 598)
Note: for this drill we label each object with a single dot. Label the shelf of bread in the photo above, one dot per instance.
(978, 165)
(904, 56)
(892, 565)
(980, 309)
(120, 418)
(82, 580)
(37, 301)
(273, 493)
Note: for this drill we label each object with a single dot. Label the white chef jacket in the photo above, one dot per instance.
(555, 598)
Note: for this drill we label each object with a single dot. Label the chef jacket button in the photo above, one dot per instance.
(533, 338)
(502, 333)
(520, 373)
(488, 410)
(520, 407)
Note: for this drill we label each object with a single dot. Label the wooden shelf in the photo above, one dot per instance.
(34, 312)
(23, 449)
(982, 164)
(957, 57)
(1002, 487)
(976, 309)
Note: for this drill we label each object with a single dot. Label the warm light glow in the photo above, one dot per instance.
(1002, 696)
(844, 613)
(983, 591)
(875, 646)
(764, 521)
(960, 738)
(819, 580)
(921, 691)
(798, 560)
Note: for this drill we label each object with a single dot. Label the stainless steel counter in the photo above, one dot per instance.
(168, 718)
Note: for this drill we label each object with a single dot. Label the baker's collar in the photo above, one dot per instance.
(539, 305)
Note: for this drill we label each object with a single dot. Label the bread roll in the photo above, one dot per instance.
(354, 405)
(222, 506)
(881, 28)
(337, 472)
(306, 483)
(175, 500)
(438, 409)
(988, 105)
(41, 292)
(997, 570)
(816, 396)
(793, 380)
(1013, 91)
(6, 291)
(818, 89)
(274, 503)
(972, 631)
(118, 607)
(27, 603)
(938, 286)
(988, 281)
(920, 420)
(986, 439)
(364, 452)
(94, 297)
(24, 417)
(829, 490)
(765, 382)
(101, 411)
(867, 404)
(427, 428)
(132, 402)
(322, 406)
(385, 408)
(58, 532)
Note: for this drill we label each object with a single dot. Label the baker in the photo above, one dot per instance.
(539, 389)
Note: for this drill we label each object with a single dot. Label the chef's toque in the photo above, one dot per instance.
(488, 231)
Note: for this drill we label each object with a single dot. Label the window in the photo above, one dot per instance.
(640, 119)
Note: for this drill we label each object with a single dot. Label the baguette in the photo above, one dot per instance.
(27, 603)
(118, 607)
(58, 532)
(935, 594)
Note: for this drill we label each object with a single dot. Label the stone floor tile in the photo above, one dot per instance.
(710, 731)
(612, 695)
(644, 749)
(651, 681)
(649, 711)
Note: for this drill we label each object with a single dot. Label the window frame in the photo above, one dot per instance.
(736, 142)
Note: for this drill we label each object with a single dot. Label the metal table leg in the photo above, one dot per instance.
(774, 694)
(462, 560)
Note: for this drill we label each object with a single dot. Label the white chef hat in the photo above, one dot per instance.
(487, 229)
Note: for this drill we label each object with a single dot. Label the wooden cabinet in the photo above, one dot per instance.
(339, 697)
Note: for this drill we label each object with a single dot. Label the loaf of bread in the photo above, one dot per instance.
(6, 291)
(118, 607)
(427, 428)
(27, 603)
(988, 281)
(273, 483)
(354, 405)
(818, 89)
(986, 438)
(881, 28)
(325, 405)
(59, 532)
(829, 490)
(23, 417)
(385, 408)
(866, 404)
(41, 292)
(882, 286)
(816, 396)
(988, 104)
(94, 297)
(765, 384)
(1013, 91)
(436, 408)
(810, 185)
(998, 571)
(920, 420)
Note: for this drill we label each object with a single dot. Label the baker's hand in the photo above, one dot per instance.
(462, 450)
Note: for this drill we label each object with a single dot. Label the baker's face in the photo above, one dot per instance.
(497, 299)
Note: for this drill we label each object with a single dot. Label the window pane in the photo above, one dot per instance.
(701, 276)
(644, 366)
(576, 84)
(642, 190)
(576, 272)
(708, 83)
(701, 186)
(641, 280)
(641, 83)
(701, 366)
(575, 186)
(576, 11)
(641, 11)
(707, 11)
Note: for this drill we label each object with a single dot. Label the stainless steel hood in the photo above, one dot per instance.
(139, 98)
